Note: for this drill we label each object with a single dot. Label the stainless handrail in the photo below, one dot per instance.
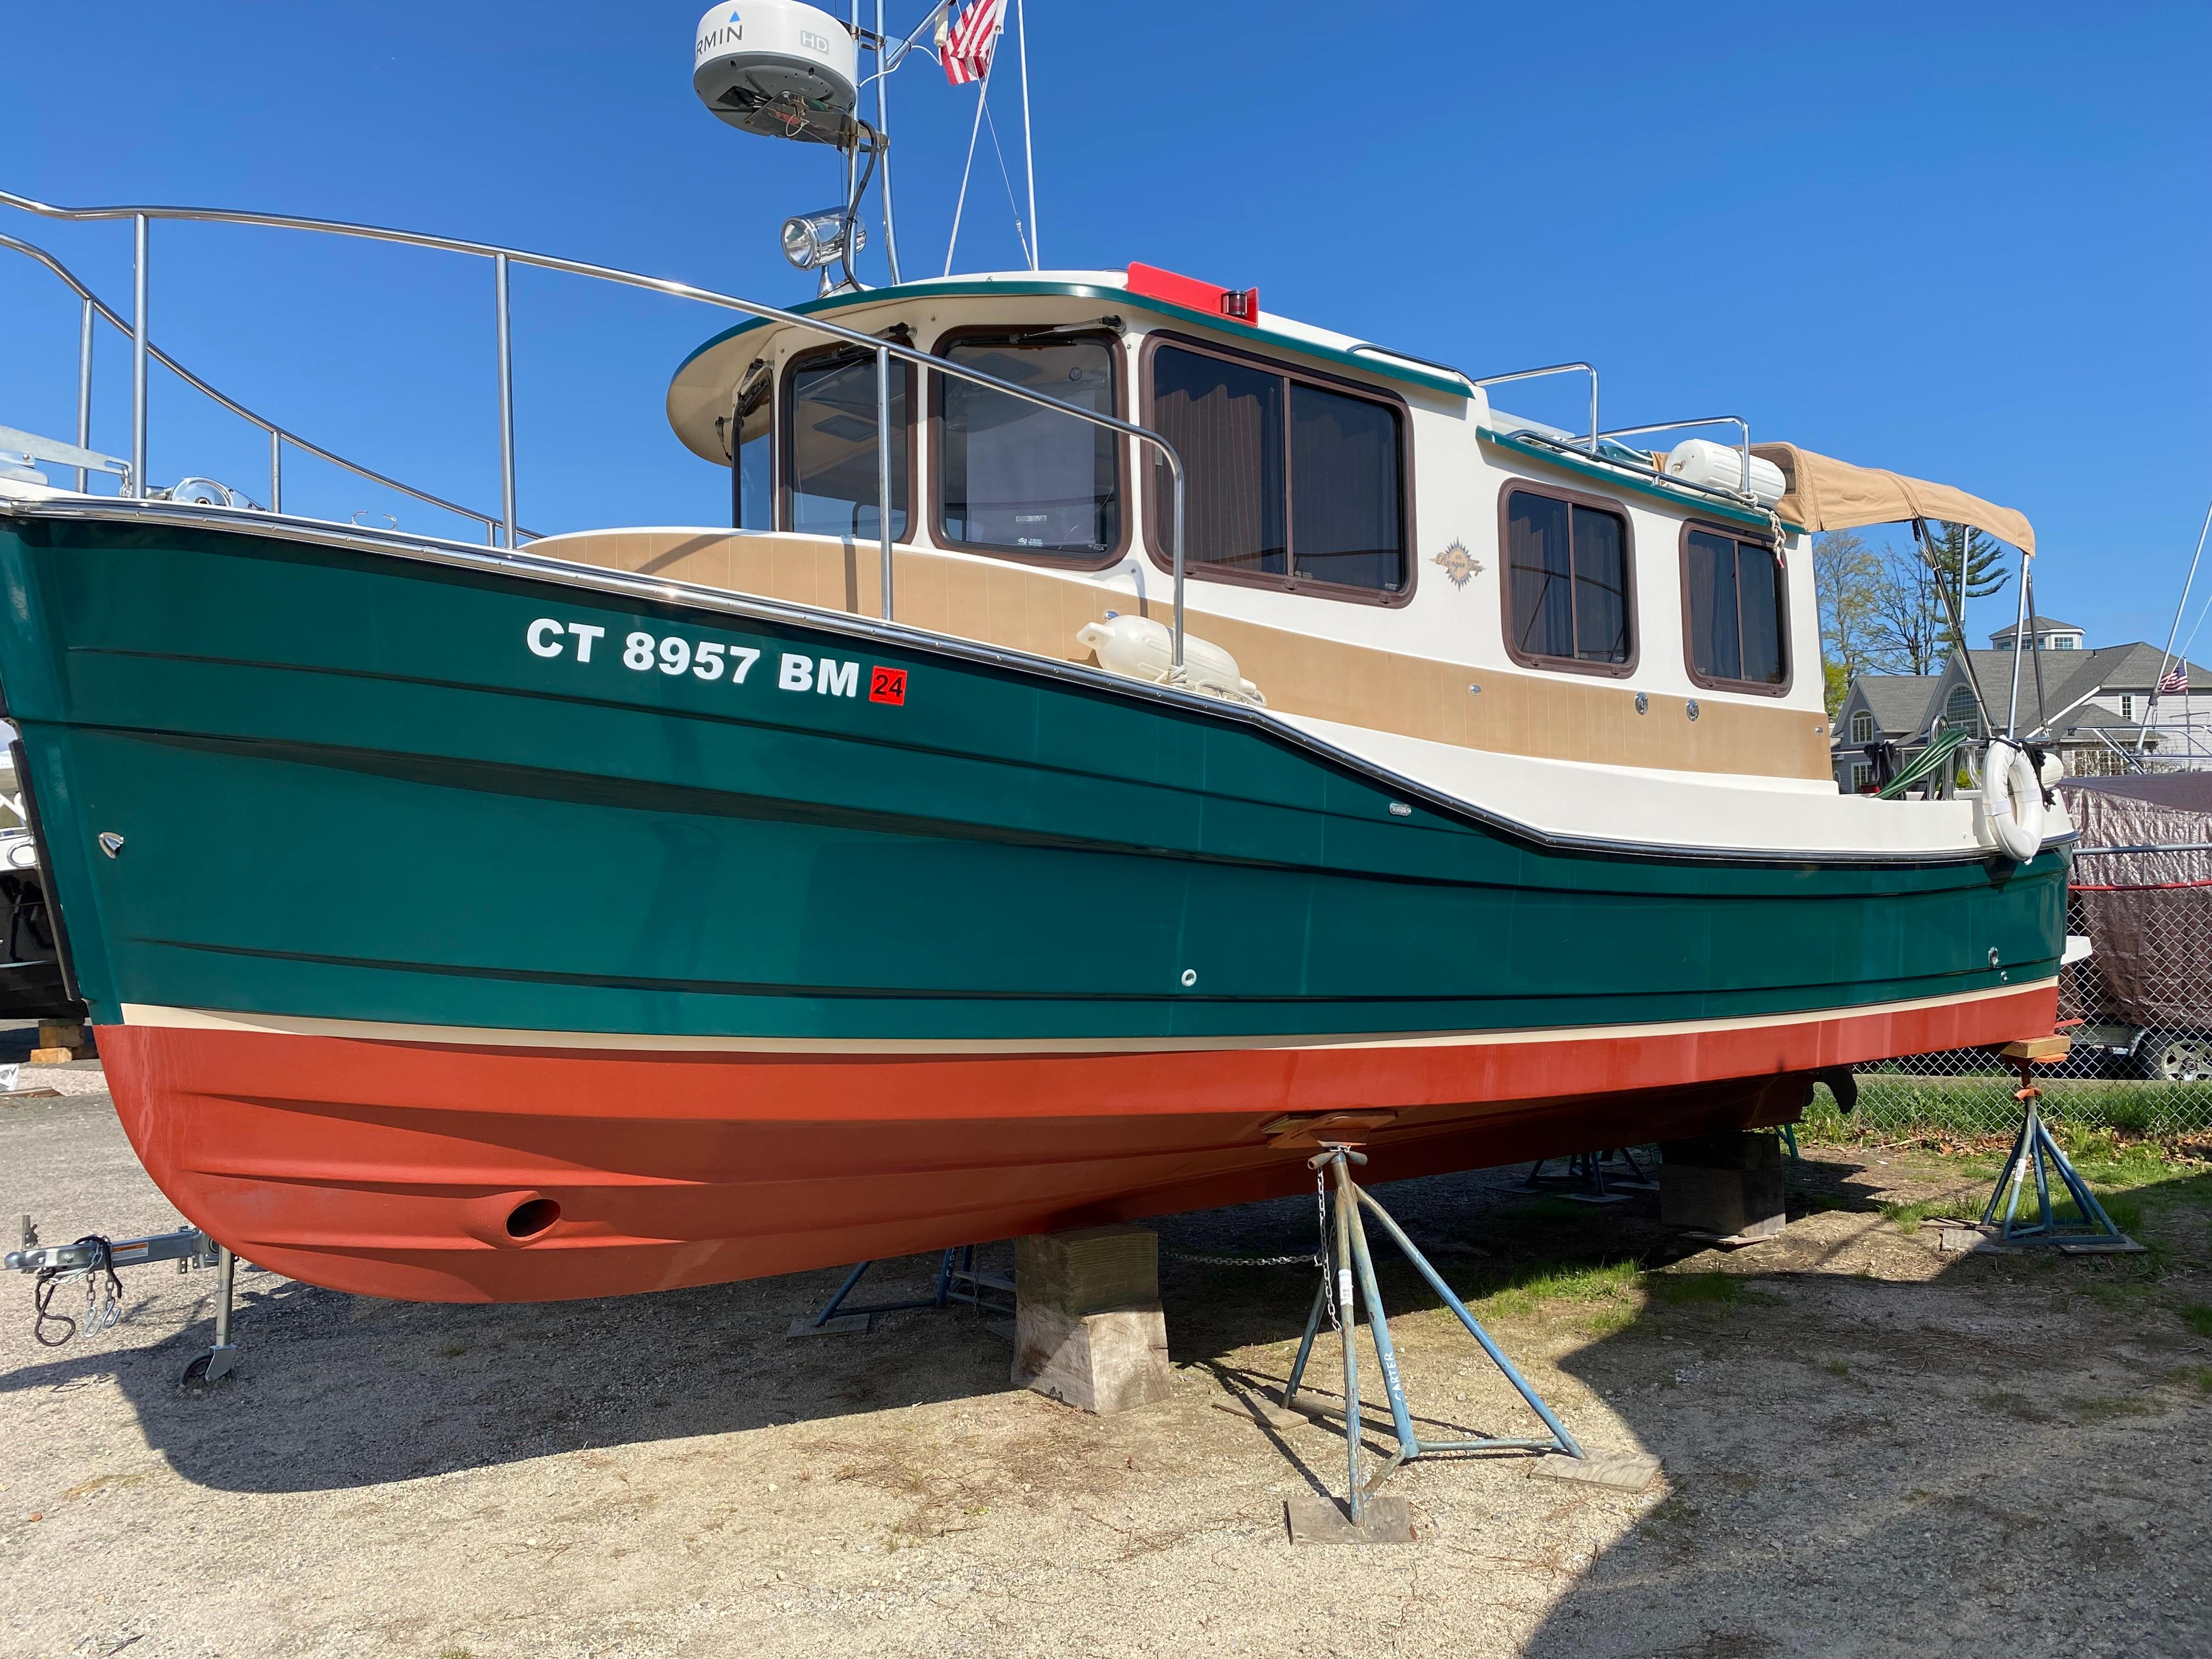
(93, 306)
(1555, 368)
(142, 217)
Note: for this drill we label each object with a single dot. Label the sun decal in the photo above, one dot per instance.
(1461, 566)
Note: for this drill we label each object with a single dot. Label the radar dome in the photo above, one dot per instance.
(778, 68)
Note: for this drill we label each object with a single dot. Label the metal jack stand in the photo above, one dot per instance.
(958, 1280)
(93, 1258)
(2096, 1234)
(1589, 1169)
(1372, 1518)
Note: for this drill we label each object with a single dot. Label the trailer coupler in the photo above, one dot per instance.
(95, 1259)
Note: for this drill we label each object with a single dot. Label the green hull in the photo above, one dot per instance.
(348, 786)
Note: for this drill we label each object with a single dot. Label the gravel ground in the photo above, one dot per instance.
(1870, 1448)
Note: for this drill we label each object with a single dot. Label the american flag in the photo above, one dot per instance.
(967, 42)
(2175, 679)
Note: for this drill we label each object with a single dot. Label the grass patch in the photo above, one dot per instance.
(1907, 1218)
(2198, 1317)
(1596, 1284)
(2196, 1377)
(1837, 1368)
(453, 1350)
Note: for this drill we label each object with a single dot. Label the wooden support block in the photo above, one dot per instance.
(1388, 1520)
(1727, 1185)
(61, 1041)
(2043, 1050)
(1110, 1361)
(1619, 1471)
(1089, 1270)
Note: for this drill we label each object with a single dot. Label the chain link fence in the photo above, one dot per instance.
(2142, 1050)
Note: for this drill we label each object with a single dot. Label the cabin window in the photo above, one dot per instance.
(1567, 583)
(752, 468)
(829, 467)
(1013, 478)
(1862, 727)
(1733, 606)
(1288, 482)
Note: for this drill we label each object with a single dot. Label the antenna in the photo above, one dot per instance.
(781, 70)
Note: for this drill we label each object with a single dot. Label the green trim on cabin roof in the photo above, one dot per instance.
(1620, 480)
(1387, 368)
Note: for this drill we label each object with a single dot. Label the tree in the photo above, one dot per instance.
(1845, 574)
(1906, 626)
(1984, 571)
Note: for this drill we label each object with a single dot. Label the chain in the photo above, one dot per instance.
(1206, 1259)
(1321, 1254)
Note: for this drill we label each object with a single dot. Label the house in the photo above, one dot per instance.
(2093, 707)
(2044, 634)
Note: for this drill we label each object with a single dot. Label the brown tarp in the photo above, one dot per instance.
(2149, 915)
(1831, 494)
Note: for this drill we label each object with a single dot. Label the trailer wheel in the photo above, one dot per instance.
(2176, 1056)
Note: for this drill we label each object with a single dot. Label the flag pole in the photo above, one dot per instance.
(983, 97)
(1029, 151)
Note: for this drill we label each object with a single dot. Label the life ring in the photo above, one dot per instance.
(2012, 798)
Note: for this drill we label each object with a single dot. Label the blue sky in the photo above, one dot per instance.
(1966, 242)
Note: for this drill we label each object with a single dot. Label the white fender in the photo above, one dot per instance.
(2012, 799)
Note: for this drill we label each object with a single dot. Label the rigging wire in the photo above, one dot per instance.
(2166, 657)
(1020, 234)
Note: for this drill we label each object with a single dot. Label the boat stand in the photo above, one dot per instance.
(2095, 1234)
(958, 1280)
(1350, 1258)
(1589, 1169)
(94, 1259)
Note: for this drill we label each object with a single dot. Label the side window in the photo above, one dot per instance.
(830, 452)
(1017, 478)
(1566, 584)
(1288, 482)
(1862, 727)
(752, 473)
(1733, 610)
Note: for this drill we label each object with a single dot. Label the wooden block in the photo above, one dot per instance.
(1111, 1361)
(1089, 1270)
(55, 1056)
(2045, 1050)
(1731, 1149)
(1733, 1204)
(61, 1034)
(1387, 1520)
(1619, 1471)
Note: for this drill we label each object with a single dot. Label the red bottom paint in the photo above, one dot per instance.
(470, 1173)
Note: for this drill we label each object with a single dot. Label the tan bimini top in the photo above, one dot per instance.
(1831, 494)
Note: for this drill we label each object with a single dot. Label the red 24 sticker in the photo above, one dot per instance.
(887, 684)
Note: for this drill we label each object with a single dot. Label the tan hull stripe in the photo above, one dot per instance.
(135, 1013)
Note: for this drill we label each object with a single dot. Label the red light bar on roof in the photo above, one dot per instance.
(1240, 305)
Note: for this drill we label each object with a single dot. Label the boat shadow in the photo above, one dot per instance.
(336, 1391)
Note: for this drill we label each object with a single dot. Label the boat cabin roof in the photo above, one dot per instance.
(701, 392)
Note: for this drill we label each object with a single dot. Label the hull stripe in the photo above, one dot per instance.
(208, 1019)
